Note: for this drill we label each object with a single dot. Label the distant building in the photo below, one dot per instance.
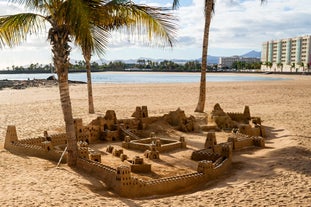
(228, 61)
(291, 54)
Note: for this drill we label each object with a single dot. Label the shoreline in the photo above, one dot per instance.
(25, 81)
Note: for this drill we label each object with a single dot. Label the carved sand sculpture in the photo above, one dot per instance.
(124, 136)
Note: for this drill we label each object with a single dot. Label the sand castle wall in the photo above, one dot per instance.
(36, 151)
(31, 147)
(163, 185)
(174, 184)
(32, 141)
(239, 117)
(244, 142)
(103, 172)
(59, 139)
(204, 155)
(129, 186)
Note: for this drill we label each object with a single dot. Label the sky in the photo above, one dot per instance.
(237, 27)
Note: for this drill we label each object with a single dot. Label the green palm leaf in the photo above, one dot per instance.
(15, 28)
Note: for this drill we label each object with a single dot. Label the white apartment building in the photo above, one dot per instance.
(291, 54)
(228, 61)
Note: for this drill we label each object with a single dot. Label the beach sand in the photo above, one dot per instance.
(277, 175)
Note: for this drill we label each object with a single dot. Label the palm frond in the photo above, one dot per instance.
(100, 38)
(15, 28)
(82, 21)
(37, 5)
(156, 22)
(77, 18)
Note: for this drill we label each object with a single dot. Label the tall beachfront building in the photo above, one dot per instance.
(291, 54)
(228, 61)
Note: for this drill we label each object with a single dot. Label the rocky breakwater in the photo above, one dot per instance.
(22, 84)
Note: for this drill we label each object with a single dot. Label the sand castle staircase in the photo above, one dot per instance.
(205, 122)
(129, 133)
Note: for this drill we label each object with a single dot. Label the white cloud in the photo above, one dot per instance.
(253, 23)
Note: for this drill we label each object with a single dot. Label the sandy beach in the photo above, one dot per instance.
(277, 175)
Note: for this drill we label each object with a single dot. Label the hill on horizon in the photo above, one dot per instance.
(252, 54)
(210, 59)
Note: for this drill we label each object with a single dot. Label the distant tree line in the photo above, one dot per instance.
(140, 65)
(32, 68)
(242, 65)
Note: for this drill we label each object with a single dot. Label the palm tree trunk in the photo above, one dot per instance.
(59, 37)
(87, 58)
(209, 5)
(68, 118)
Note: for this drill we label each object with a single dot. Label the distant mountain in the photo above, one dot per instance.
(252, 54)
(210, 59)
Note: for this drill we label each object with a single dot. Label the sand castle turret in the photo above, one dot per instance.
(123, 174)
(153, 153)
(205, 166)
(183, 142)
(140, 112)
(83, 150)
(247, 113)
(11, 136)
(210, 141)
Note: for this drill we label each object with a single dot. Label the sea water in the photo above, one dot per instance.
(146, 77)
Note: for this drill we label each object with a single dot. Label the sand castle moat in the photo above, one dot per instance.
(134, 158)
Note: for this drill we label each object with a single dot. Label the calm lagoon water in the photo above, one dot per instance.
(146, 77)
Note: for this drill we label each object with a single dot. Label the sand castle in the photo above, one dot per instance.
(133, 136)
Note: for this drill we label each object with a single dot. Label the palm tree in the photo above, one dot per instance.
(303, 66)
(69, 20)
(292, 67)
(208, 8)
(281, 65)
(270, 64)
(126, 14)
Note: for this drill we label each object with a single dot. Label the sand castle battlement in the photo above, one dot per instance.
(38, 147)
(125, 184)
(211, 161)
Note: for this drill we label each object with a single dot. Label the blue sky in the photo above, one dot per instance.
(237, 27)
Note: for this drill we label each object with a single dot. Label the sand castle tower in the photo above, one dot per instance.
(110, 115)
(137, 113)
(144, 111)
(78, 126)
(153, 153)
(124, 174)
(247, 113)
(83, 150)
(226, 151)
(210, 141)
(183, 142)
(10, 137)
(140, 112)
(205, 166)
(158, 143)
(126, 142)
